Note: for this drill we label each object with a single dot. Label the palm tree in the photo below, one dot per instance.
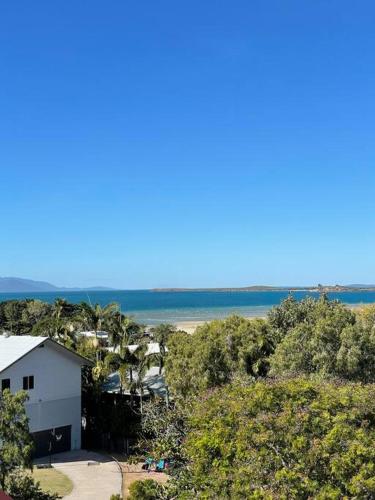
(100, 371)
(161, 334)
(123, 330)
(120, 362)
(58, 308)
(142, 363)
(124, 362)
(59, 322)
(97, 317)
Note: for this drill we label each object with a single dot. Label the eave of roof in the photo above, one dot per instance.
(36, 344)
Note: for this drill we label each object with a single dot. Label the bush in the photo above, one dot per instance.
(21, 486)
(145, 490)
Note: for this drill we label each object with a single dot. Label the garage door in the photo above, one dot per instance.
(52, 441)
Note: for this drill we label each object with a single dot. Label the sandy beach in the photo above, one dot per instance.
(190, 326)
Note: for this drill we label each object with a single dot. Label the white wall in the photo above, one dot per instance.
(58, 413)
(55, 400)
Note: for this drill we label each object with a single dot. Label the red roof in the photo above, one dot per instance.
(4, 496)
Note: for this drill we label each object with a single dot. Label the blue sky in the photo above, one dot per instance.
(188, 143)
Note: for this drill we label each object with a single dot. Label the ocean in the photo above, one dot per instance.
(150, 307)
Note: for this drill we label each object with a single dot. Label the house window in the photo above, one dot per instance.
(28, 383)
(5, 384)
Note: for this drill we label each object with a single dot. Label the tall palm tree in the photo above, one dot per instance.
(141, 362)
(161, 334)
(123, 330)
(119, 362)
(58, 308)
(124, 362)
(97, 317)
(100, 371)
(58, 319)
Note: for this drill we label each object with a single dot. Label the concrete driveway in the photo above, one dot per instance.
(94, 476)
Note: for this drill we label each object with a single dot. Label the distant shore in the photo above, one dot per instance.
(264, 288)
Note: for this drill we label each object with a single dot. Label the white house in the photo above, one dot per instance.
(51, 375)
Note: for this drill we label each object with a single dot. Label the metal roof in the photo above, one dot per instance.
(152, 348)
(13, 348)
(152, 382)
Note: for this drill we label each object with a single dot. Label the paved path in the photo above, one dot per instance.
(96, 481)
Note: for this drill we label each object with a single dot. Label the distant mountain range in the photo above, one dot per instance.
(21, 285)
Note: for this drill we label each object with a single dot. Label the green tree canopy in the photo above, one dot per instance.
(294, 439)
(328, 339)
(216, 353)
(15, 441)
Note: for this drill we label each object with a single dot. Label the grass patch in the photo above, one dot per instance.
(53, 481)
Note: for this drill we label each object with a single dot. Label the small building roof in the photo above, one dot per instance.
(91, 333)
(153, 382)
(152, 348)
(15, 347)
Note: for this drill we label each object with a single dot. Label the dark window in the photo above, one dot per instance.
(28, 382)
(5, 384)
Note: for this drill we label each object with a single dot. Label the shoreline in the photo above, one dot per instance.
(189, 326)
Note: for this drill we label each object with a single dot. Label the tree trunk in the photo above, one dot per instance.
(141, 401)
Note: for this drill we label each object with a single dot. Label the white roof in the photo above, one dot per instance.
(152, 348)
(152, 382)
(15, 347)
(91, 333)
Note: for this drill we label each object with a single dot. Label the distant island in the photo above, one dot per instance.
(22, 285)
(265, 288)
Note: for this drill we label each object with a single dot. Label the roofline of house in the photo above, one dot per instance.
(87, 361)
(53, 342)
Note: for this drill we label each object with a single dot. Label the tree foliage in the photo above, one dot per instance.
(275, 408)
(216, 353)
(164, 428)
(161, 334)
(324, 338)
(144, 490)
(15, 441)
(21, 486)
(294, 439)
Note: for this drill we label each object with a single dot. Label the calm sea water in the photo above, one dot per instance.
(155, 307)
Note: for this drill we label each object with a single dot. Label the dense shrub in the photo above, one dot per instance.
(144, 490)
(21, 486)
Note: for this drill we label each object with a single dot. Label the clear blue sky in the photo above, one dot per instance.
(187, 143)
